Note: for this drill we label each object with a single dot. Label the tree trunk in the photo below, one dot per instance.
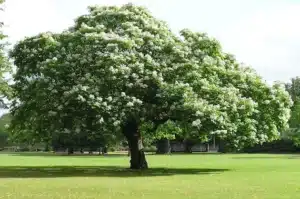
(70, 150)
(137, 155)
(188, 149)
(188, 145)
(222, 147)
(207, 147)
(46, 147)
(128, 153)
(163, 146)
(104, 150)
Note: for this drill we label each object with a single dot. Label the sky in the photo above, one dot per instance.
(264, 34)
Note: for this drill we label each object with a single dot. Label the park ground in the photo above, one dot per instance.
(207, 176)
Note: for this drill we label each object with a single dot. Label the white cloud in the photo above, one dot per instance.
(269, 41)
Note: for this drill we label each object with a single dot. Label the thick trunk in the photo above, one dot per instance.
(163, 146)
(137, 154)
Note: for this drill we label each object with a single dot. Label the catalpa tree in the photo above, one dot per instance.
(120, 72)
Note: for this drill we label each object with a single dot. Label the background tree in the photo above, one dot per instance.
(294, 88)
(5, 67)
(4, 86)
(4, 133)
(294, 123)
(118, 69)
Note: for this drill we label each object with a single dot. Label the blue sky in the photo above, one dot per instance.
(264, 34)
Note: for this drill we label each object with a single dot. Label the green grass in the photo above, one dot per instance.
(32, 176)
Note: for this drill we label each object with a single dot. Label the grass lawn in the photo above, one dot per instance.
(243, 176)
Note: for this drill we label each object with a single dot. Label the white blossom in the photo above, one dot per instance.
(101, 120)
(81, 98)
(154, 74)
(67, 131)
(77, 130)
(52, 113)
(129, 104)
(91, 96)
(60, 107)
(99, 99)
(196, 123)
(116, 123)
(109, 99)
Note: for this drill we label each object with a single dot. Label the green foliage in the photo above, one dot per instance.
(294, 88)
(294, 134)
(295, 115)
(168, 130)
(294, 123)
(5, 67)
(4, 134)
(117, 63)
(4, 122)
(279, 146)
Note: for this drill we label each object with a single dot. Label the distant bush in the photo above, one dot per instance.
(277, 146)
(23, 149)
(150, 149)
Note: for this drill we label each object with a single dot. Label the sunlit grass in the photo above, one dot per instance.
(33, 176)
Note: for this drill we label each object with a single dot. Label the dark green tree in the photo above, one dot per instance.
(294, 88)
(4, 133)
(294, 123)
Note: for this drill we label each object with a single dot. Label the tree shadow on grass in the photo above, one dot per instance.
(121, 154)
(99, 171)
(46, 154)
(269, 157)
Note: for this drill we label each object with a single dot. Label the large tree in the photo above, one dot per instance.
(120, 72)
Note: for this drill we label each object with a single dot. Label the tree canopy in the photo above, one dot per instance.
(5, 67)
(4, 87)
(294, 123)
(118, 71)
